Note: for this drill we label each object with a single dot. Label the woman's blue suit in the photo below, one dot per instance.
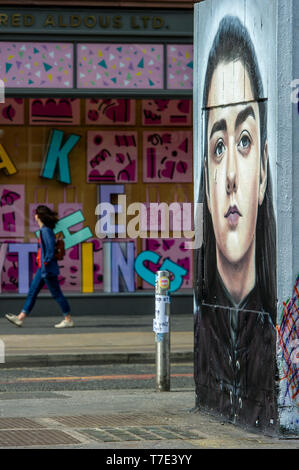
(47, 274)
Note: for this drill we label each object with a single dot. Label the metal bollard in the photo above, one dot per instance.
(161, 326)
(2, 352)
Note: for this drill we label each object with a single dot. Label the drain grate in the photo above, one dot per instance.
(95, 421)
(132, 433)
(19, 423)
(111, 434)
(22, 432)
(35, 437)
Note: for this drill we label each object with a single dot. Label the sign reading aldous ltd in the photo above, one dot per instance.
(100, 20)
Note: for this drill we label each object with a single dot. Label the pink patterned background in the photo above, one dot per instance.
(180, 66)
(12, 111)
(112, 156)
(172, 248)
(161, 112)
(120, 66)
(110, 111)
(36, 64)
(10, 271)
(61, 111)
(167, 156)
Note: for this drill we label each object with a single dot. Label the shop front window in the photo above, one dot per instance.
(76, 154)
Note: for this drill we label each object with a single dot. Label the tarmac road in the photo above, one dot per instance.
(19, 382)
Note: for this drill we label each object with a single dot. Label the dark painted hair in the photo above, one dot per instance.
(47, 216)
(232, 43)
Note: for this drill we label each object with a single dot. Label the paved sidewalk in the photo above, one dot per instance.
(114, 419)
(123, 419)
(91, 348)
(92, 340)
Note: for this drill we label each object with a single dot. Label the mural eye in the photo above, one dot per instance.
(219, 149)
(244, 143)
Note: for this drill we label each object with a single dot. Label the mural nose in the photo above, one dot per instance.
(231, 185)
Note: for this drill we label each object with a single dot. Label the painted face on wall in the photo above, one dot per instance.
(235, 177)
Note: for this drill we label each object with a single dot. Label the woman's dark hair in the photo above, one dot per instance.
(233, 43)
(47, 216)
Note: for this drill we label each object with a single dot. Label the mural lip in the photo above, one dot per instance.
(232, 215)
(233, 210)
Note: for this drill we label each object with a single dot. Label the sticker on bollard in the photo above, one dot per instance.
(161, 320)
(164, 282)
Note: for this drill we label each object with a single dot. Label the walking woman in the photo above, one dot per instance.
(47, 272)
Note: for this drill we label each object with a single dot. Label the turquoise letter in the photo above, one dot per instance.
(141, 270)
(178, 272)
(59, 154)
(71, 239)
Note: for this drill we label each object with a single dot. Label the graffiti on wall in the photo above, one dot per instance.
(235, 275)
(288, 348)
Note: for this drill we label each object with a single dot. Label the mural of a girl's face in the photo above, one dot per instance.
(235, 168)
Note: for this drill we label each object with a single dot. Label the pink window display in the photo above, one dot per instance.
(120, 66)
(40, 194)
(36, 64)
(180, 66)
(70, 277)
(173, 249)
(112, 157)
(70, 269)
(10, 268)
(60, 111)
(66, 208)
(97, 264)
(110, 111)
(167, 156)
(12, 111)
(161, 112)
(12, 207)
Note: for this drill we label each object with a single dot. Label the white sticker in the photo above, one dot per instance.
(161, 320)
